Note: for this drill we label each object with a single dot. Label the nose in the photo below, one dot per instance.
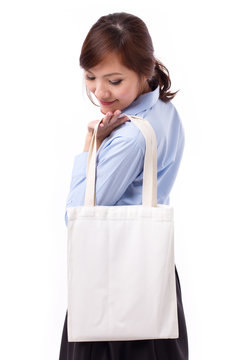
(102, 92)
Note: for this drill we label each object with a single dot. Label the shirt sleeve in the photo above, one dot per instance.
(118, 164)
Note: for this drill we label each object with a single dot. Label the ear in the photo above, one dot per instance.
(145, 84)
(143, 79)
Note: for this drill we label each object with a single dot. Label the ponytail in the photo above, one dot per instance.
(161, 77)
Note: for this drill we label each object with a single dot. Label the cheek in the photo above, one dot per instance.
(128, 95)
(122, 95)
(90, 87)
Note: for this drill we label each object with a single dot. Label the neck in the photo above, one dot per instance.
(146, 88)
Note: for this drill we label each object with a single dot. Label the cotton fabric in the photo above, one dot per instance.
(156, 349)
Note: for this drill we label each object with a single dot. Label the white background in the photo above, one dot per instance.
(44, 117)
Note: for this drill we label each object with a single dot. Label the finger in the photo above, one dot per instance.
(125, 119)
(121, 116)
(106, 119)
(115, 115)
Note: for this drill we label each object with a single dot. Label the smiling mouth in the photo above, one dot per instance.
(106, 102)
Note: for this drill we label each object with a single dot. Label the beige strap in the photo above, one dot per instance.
(149, 192)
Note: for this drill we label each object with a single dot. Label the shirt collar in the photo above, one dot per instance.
(143, 102)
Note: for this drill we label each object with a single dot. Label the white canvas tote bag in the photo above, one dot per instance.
(121, 268)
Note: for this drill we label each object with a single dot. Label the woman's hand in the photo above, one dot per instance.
(107, 125)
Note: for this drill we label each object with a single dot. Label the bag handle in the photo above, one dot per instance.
(149, 192)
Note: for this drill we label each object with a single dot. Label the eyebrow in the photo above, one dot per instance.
(116, 73)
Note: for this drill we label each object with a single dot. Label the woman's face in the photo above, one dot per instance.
(114, 85)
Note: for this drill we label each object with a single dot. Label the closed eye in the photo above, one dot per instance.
(111, 82)
(90, 78)
(115, 82)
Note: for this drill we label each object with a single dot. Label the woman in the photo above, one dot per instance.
(125, 77)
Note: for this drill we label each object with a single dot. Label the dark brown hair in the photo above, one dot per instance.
(126, 35)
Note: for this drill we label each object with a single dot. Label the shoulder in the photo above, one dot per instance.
(166, 121)
(165, 113)
(127, 136)
(163, 117)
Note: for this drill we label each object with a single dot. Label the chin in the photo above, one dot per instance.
(106, 109)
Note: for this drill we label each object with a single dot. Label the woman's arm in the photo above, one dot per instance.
(117, 165)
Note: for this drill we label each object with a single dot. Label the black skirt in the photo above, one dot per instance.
(156, 349)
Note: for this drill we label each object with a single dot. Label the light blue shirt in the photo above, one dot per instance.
(120, 157)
